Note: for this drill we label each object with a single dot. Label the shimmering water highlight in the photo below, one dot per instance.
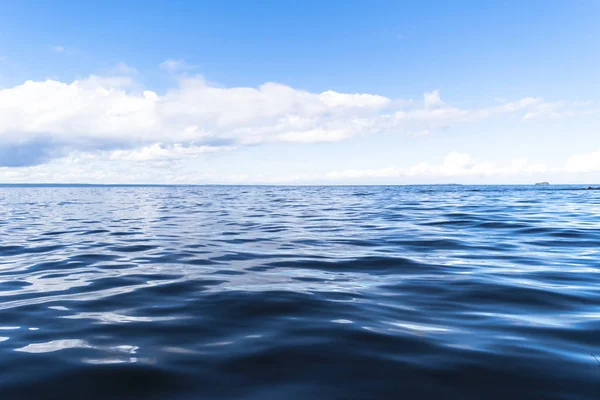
(299, 292)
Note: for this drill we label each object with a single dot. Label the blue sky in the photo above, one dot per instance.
(299, 91)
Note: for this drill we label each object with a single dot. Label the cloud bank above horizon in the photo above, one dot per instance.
(112, 129)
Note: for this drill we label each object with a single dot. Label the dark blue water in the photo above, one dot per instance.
(299, 292)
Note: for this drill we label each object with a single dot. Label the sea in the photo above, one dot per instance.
(299, 292)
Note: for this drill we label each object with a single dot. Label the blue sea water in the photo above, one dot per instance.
(224, 292)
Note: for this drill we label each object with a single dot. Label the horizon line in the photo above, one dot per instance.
(75, 184)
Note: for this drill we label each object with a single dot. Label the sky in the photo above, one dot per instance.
(300, 92)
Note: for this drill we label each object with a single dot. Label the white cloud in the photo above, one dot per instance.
(549, 111)
(557, 110)
(172, 65)
(158, 152)
(160, 163)
(454, 164)
(96, 107)
(334, 99)
(151, 164)
(584, 163)
(123, 69)
(195, 117)
(433, 100)
(107, 108)
(63, 50)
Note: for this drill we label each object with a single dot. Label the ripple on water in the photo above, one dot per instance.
(299, 292)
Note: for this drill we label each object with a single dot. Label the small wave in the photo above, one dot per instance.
(310, 292)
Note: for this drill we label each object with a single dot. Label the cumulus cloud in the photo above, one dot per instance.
(104, 109)
(115, 113)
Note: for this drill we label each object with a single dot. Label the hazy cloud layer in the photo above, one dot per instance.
(175, 164)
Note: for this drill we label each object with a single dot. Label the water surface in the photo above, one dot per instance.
(451, 292)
